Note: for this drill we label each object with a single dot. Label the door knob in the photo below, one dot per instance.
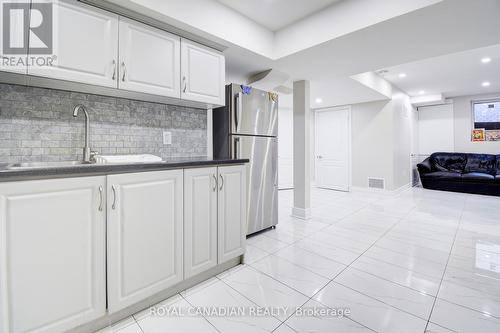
(320, 157)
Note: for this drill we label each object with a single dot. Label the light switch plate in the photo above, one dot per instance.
(167, 138)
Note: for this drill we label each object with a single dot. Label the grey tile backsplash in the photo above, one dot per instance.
(37, 124)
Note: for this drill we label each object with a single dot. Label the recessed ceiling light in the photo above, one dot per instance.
(485, 84)
(486, 60)
(318, 100)
(421, 92)
(402, 75)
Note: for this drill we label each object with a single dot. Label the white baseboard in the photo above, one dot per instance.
(301, 213)
(376, 190)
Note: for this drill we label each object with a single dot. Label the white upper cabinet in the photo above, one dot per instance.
(52, 254)
(200, 220)
(85, 45)
(96, 47)
(17, 37)
(202, 73)
(149, 59)
(145, 235)
(232, 212)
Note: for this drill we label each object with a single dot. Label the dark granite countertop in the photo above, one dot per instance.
(17, 174)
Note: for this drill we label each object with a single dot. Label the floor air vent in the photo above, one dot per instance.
(378, 183)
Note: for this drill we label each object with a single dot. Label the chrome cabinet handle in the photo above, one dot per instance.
(214, 188)
(114, 196)
(114, 70)
(100, 198)
(184, 83)
(124, 71)
(221, 182)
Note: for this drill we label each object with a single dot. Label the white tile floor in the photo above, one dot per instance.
(421, 261)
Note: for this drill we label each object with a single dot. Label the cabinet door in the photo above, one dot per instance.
(17, 37)
(200, 220)
(203, 73)
(232, 206)
(52, 254)
(144, 235)
(85, 44)
(149, 60)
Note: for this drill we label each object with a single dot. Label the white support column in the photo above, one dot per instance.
(301, 151)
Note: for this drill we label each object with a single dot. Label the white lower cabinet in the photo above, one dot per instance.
(145, 222)
(214, 217)
(200, 220)
(145, 232)
(232, 212)
(52, 254)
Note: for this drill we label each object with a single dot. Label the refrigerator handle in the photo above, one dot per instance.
(275, 162)
(237, 110)
(236, 148)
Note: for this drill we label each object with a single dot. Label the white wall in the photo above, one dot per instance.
(448, 127)
(285, 147)
(436, 124)
(463, 126)
(372, 142)
(383, 138)
(405, 132)
(384, 135)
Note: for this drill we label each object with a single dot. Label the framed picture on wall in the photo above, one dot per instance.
(478, 134)
(492, 135)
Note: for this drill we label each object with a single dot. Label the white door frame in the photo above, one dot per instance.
(349, 148)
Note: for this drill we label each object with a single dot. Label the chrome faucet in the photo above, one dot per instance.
(88, 154)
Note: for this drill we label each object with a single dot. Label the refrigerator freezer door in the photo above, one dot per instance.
(262, 179)
(253, 113)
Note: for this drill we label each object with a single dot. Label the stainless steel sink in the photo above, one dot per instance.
(43, 165)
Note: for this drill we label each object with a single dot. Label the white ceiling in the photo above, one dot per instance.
(351, 41)
(341, 91)
(277, 14)
(451, 26)
(456, 74)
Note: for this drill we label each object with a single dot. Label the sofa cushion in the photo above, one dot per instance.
(443, 175)
(482, 163)
(477, 176)
(498, 165)
(454, 162)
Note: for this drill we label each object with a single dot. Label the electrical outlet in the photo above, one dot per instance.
(167, 138)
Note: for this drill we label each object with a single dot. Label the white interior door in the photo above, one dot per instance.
(332, 147)
(285, 149)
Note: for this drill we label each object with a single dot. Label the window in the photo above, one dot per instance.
(487, 114)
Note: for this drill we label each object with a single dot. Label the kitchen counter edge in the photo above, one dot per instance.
(8, 175)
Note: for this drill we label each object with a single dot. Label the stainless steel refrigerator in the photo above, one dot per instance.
(247, 127)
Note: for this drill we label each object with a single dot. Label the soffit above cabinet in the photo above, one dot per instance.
(125, 12)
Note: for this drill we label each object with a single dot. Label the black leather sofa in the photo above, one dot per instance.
(459, 172)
